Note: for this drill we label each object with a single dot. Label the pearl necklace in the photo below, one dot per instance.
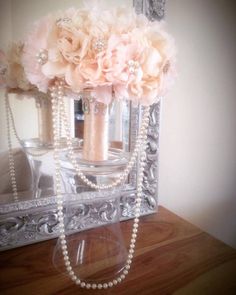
(12, 170)
(58, 109)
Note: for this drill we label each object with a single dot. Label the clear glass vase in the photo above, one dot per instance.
(99, 172)
(97, 254)
(41, 159)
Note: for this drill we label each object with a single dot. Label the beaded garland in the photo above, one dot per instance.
(58, 108)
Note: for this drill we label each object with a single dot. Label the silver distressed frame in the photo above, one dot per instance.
(28, 222)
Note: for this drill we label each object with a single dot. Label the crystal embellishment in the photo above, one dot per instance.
(166, 67)
(133, 66)
(99, 45)
(85, 106)
(63, 21)
(42, 56)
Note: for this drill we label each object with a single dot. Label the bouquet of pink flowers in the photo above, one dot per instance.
(107, 50)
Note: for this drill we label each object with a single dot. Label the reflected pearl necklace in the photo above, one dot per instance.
(58, 111)
(12, 170)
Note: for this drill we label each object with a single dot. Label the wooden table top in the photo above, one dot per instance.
(172, 257)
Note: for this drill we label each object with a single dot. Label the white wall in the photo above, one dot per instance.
(25, 12)
(198, 139)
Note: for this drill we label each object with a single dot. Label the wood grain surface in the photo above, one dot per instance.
(172, 257)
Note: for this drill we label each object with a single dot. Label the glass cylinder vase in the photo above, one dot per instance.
(99, 253)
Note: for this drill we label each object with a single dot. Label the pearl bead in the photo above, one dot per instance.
(88, 286)
(105, 286)
(77, 282)
(99, 286)
(82, 284)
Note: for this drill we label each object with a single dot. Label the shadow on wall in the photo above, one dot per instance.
(218, 218)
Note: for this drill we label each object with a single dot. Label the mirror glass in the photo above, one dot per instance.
(34, 170)
(37, 163)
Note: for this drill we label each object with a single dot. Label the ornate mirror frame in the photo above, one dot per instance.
(27, 222)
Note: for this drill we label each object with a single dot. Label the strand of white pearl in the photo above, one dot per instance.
(122, 177)
(12, 170)
(62, 236)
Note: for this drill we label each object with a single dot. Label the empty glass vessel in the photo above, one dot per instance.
(97, 254)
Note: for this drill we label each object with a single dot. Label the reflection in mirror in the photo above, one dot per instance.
(37, 161)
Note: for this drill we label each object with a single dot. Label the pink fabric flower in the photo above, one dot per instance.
(158, 66)
(167, 49)
(36, 41)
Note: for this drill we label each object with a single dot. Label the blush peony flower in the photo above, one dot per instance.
(67, 48)
(158, 66)
(165, 44)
